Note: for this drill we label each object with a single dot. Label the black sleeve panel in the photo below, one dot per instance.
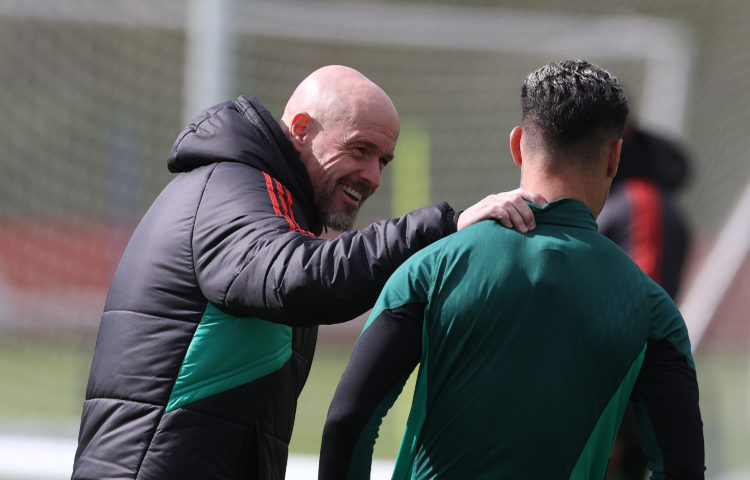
(383, 358)
(667, 389)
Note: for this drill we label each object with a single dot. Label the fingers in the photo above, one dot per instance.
(505, 218)
(520, 214)
(531, 196)
(509, 208)
(523, 210)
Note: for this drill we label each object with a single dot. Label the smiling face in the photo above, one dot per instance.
(345, 162)
(345, 130)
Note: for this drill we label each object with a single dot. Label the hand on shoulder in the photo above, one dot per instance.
(509, 208)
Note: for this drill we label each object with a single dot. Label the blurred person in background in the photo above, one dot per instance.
(642, 216)
(209, 327)
(527, 361)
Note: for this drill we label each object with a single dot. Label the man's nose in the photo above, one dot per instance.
(371, 173)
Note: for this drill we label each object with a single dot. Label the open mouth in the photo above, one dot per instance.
(351, 192)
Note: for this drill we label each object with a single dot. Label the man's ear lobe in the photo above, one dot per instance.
(515, 144)
(299, 127)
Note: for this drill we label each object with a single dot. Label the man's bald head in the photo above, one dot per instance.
(344, 128)
(335, 93)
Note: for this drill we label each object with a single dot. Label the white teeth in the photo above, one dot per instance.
(351, 191)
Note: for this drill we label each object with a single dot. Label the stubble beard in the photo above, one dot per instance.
(338, 220)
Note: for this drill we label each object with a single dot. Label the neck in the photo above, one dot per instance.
(567, 184)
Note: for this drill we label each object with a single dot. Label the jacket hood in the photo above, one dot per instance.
(243, 131)
(648, 156)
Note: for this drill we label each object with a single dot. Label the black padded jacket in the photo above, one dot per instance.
(210, 323)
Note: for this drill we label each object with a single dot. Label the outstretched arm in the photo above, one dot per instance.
(509, 208)
(251, 261)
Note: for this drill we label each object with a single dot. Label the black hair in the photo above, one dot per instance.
(574, 107)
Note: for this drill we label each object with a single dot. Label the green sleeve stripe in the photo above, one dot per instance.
(226, 352)
(648, 439)
(592, 463)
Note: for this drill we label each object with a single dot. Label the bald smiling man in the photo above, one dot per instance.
(209, 327)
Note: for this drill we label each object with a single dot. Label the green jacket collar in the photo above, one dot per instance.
(566, 211)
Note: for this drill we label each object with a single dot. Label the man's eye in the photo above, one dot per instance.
(361, 150)
(384, 161)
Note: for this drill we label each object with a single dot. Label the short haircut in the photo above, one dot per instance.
(573, 108)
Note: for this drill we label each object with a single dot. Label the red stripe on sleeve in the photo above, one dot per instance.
(286, 198)
(281, 200)
(284, 205)
(274, 199)
(646, 243)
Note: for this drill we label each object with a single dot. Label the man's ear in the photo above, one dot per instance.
(299, 128)
(515, 144)
(613, 159)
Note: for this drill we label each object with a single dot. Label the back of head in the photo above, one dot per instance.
(573, 109)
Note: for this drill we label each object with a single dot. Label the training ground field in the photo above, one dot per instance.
(34, 457)
(43, 392)
(43, 388)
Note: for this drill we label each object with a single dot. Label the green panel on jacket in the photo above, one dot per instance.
(601, 441)
(227, 352)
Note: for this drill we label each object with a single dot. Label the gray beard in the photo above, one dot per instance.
(341, 222)
(338, 221)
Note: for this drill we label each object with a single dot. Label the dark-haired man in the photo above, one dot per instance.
(527, 361)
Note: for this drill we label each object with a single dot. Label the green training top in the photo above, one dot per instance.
(530, 346)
